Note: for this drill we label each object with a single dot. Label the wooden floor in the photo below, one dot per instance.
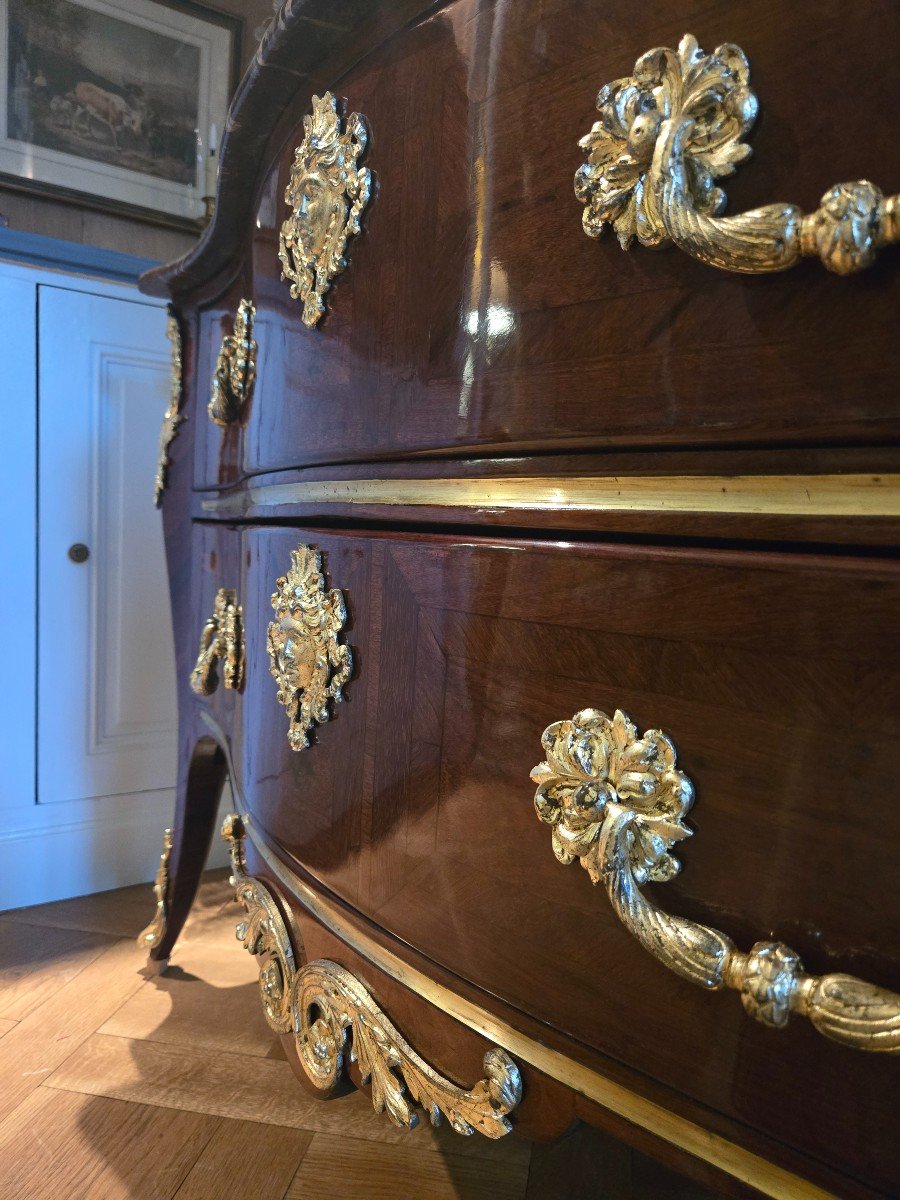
(119, 1087)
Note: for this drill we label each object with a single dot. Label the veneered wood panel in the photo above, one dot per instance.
(475, 314)
(769, 671)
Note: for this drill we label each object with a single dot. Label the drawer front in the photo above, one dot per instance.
(775, 677)
(474, 313)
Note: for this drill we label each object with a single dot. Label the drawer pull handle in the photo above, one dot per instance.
(319, 1003)
(222, 639)
(235, 370)
(308, 657)
(326, 194)
(617, 803)
(676, 125)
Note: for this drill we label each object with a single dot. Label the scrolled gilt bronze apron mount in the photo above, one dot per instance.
(676, 125)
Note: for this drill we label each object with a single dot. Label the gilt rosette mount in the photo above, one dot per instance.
(308, 658)
(330, 1014)
(326, 194)
(235, 371)
(221, 647)
(674, 127)
(616, 801)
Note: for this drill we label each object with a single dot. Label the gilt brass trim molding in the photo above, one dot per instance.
(308, 658)
(668, 131)
(616, 802)
(326, 194)
(757, 1172)
(222, 639)
(321, 1002)
(852, 495)
(235, 371)
(173, 416)
(155, 931)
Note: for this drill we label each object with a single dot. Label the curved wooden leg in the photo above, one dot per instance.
(186, 850)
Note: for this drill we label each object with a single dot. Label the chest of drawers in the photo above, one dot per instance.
(468, 486)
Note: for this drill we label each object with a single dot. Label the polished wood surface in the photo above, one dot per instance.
(416, 804)
(175, 1087)
(477, 316)
(478, 334)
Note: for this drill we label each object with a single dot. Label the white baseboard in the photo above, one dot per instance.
(59, 861)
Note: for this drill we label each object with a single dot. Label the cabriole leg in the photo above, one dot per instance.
(185, 850)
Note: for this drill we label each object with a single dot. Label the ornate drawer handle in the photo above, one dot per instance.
(235, 368)
(308, 657)
(320, 1002)
(222, 638)
(673, 127)
(617, 803)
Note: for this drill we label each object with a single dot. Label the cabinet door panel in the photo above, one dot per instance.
(106, 687)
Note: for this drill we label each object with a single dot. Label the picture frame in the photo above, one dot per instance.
(116, 105)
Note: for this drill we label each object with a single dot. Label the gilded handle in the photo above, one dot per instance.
(221, 642)
(676, 125)
(235, 371)
(616, 801)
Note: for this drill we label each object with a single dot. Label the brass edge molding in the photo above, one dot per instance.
(320, 1002)
(155, 931)
(222, 639)
(616, 801)
(235, 371)
(308, 657)
(326, 194)
(668, 131)
(851, 495)
(768, 1178)
(173, 416)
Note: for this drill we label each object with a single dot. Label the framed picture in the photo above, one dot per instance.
(116, 104)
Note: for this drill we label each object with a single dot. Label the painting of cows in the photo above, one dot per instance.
(85, 83)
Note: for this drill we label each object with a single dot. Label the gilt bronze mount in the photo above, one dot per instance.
(326, 194)
(675, 126)
(616, 801)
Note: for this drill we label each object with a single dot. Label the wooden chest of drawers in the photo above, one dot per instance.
(468, 486)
